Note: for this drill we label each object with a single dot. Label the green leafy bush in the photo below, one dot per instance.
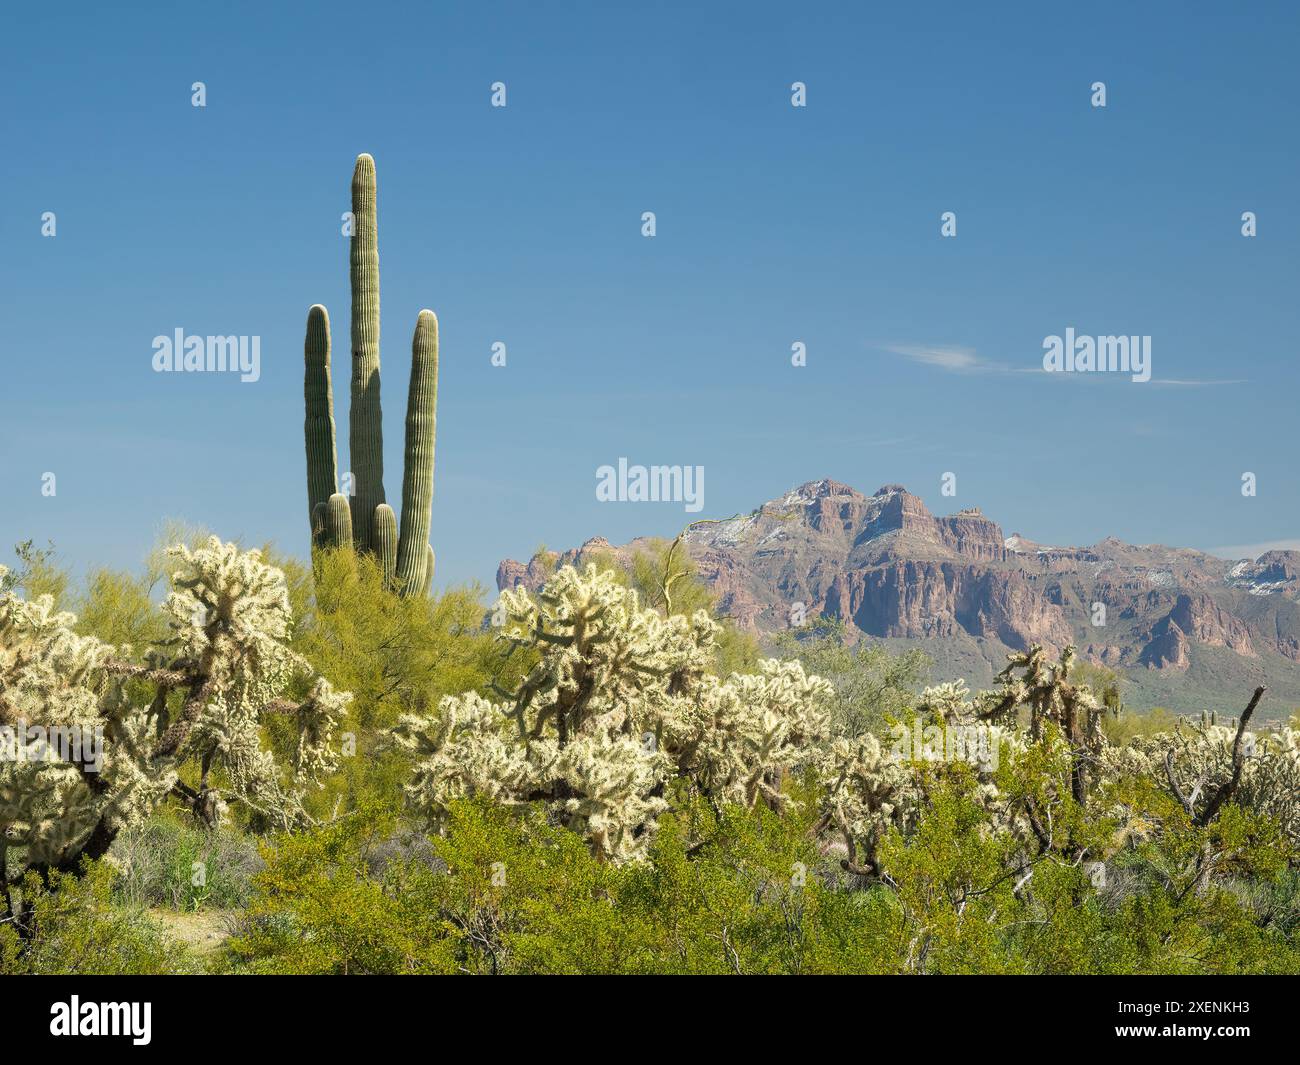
(75, 927)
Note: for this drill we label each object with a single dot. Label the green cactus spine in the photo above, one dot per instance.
(318, 389)
(417, 474)
(366, 425)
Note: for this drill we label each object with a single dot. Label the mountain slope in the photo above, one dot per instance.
(1188, 630)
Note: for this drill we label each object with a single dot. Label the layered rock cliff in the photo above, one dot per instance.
(891, 569)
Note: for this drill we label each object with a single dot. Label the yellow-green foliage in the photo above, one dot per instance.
(394, 654)
(1104, 682)
(38, 573)
(1128, 726)
(873, 687)
(499, 893)
(333, 902)
(503, 895)
(117, 607)
(76, 928)
(621, 711)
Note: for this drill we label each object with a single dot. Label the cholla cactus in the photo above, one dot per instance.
(1195, 762)
(91, 742)
(621, 703)
(1046, 689)
(874, 786)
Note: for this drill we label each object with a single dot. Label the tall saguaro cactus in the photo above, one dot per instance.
(365, 520)
(366, 418)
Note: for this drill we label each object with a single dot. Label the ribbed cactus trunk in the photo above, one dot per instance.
(417, 474)
(366, 428)
(318, 427)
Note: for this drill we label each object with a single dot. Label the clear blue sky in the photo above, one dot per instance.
(775, 225)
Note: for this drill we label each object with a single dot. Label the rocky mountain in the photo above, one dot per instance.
(1188, 630)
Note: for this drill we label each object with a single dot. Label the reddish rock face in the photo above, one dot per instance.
(1204, 621)
(917, 599)
(1167, 648)
(1272, 567)
(889, 568)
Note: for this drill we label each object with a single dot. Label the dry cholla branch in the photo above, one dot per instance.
(199, 699)
(1207, 765)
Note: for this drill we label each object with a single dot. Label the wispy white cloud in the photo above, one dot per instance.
(952, 359)
(1254, 550)
(964, 360)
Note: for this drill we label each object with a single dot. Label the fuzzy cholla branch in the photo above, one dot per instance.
(91, 742)
(621, 704)
(874, 785)
(1048, 690)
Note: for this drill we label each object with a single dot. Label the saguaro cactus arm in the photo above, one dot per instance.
(338, 521)
(428, 570)
(366, 425)
(318, 427)
(383, 536)
(417, 476)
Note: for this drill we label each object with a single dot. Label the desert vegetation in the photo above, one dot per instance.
(235, 761)
(340, 779)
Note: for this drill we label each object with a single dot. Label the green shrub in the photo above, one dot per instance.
(873, 686)
(331, 902)
(77, 929)
(396, 655)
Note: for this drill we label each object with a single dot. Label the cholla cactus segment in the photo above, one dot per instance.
(48, 669)
(1052, 697)
(50, 729)
(621, 703)
(85, 754)
(874, 786)
(220, 590)
(1195, 761)
(744, 734)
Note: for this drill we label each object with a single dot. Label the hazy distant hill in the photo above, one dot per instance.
(1189, 630)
